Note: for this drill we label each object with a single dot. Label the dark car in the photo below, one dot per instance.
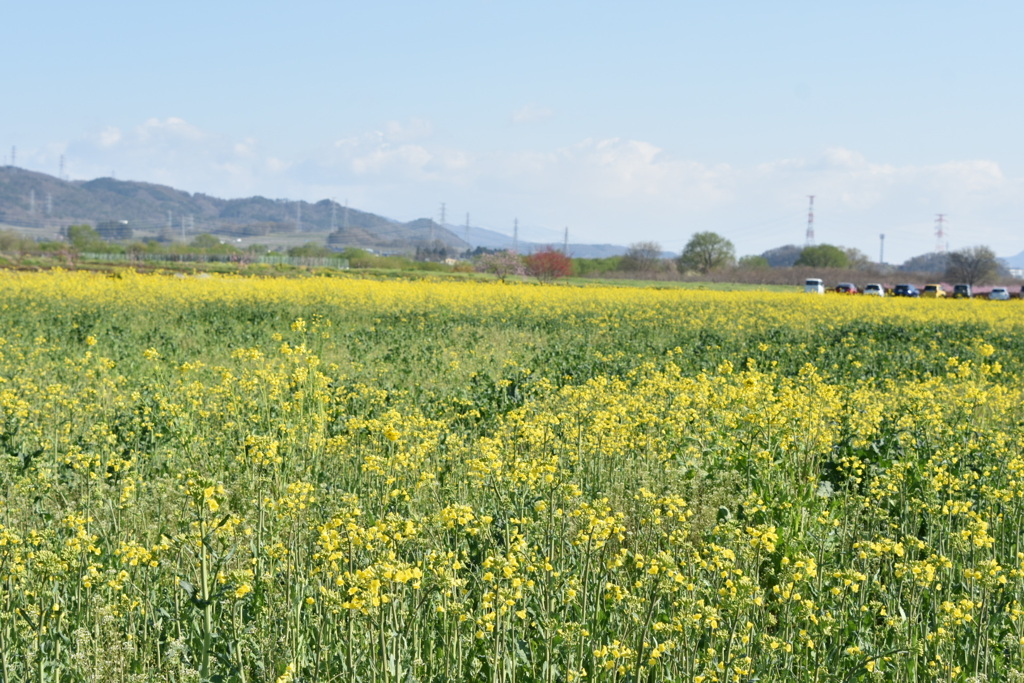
(906, 290)
(962, 292)
(847, 288)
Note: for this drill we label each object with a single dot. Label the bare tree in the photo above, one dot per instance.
(972, 265)
(642, 256)
(502, 264)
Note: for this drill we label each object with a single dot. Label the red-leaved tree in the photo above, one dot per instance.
(548, 264)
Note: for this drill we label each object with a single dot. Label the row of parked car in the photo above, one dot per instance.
(935, 291)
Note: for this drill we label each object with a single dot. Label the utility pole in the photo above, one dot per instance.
(515, 236)
(334, 214)
(809, 241)
(565, 244)
(298, 216)
(467, 231)
(881, 249)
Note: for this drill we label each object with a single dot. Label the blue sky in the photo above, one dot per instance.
(621, 121)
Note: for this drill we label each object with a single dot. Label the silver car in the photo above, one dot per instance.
(999, 294)
(874, 289)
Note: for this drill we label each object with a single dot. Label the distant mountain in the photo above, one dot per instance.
(33, 199)
(489, 239)
(932, 262)
(782, 257)
(1014, 261)
(38, 200)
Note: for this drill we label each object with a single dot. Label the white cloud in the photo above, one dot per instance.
(531, 113)
(415, 129)
(275, 165)
(404, 160)
(109, 136)
(245, 148)
(607, 189)
(171, 127)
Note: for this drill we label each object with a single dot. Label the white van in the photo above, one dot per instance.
(814, 285)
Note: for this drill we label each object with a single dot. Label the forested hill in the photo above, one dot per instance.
(35, 199)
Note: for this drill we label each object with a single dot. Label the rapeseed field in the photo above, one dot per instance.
(328, 479)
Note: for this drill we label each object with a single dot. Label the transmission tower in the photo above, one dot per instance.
(941, 243)
(809, 241)
(565, 242)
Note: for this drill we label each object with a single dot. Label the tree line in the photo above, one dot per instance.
(706, 252)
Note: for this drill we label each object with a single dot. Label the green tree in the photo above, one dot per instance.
(707, 251)
(312, 250)
(590, 267)
(751, 261)
(205, 241)
(972, 265)
(823, 256)
(85, 238)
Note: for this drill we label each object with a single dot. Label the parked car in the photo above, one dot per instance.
(847, 288)
(874, 289)
(999, 294)
(933, 291)
(906, 290)
(962, 292)
(814, 285)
